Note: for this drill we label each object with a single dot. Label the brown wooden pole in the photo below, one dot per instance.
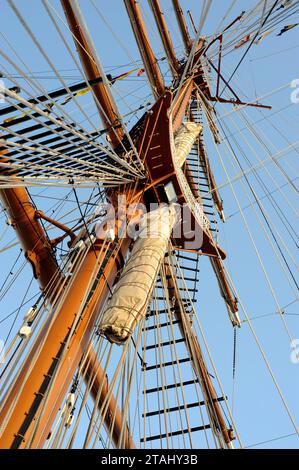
(182, 25)
(39, 252)
(165, 36)
(37, 247)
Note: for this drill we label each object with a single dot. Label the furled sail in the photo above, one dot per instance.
(185, 139)
(133, 291)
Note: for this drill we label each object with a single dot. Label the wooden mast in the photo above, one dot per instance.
(39, 252)
(182, 25)
(35, 383)
(104, 99)
(165, 36)
(198, 362)
(146, 52)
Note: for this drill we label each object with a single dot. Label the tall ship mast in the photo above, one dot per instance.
(122, 291)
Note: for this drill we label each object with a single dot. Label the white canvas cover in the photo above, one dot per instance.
(133, 291)
(184, 140)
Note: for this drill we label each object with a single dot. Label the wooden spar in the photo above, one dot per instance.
(165, 36)
(192, 21)
(33, 380)
(182, 25)
(226, 290)
(107, 108)
(37, 247)
(49, 359)
(216, 262)
(39, 252)
(99, 380)
(181, 103)
(198, 362)
(57, 331)
(145, 49)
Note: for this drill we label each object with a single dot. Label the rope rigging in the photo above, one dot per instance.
(161, 388)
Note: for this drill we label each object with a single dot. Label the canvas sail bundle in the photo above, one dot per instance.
(133, 291)
(185, 139)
